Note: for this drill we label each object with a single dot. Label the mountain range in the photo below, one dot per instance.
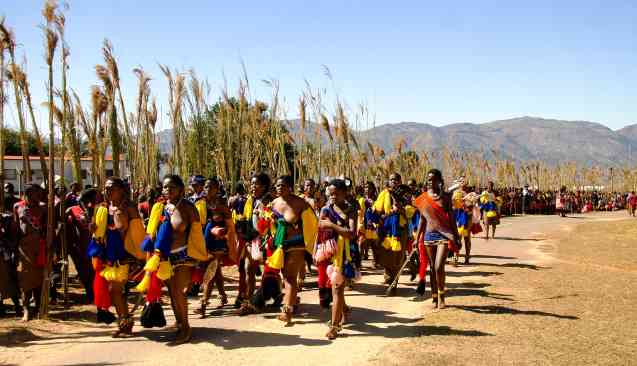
(519, 139)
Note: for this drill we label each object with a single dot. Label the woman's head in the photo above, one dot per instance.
(33, 194)
(309, 186)
(370, 188)
(197, 183)
(173, 188)
(88, 198)
(211, 188)
(336, 191)
(434, 180)
(240, 189)
(284, 185)
(114, 189)
(260, 184)
(394, 180)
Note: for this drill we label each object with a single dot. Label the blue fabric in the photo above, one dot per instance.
(349, 271)
(148, 245)
(95, 249)
(391, 225)
(213, 244)
(180, 256)
(371, 217)
(164, 238)
(462, 219)
(293, 242)
(434, 236)
(114, 246)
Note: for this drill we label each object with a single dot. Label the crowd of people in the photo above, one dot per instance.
(515, 201)
(179, 237)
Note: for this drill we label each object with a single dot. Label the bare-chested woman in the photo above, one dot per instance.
(490, 215)
(110, 259)
(30, 215)
(337, 218)
(182, 214)
(249, 213)
(438, 227)
(219, 232)
(120, 213)
(368, 221)
(287, 210)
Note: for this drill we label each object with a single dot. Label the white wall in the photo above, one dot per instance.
(13, 169)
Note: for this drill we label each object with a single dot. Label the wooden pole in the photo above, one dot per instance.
(1, 125)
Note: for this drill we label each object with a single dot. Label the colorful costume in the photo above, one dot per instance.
(489, 208)
(308, 225)
(332, 249)
(163, 259)
(393, 234)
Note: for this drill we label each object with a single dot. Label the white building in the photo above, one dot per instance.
(13, 170)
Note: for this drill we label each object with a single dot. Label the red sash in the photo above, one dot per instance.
(424, 201)
(433, 212)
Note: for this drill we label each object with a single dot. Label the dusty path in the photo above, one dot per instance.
(381, 330)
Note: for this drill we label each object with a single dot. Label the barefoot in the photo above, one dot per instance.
(25, 316)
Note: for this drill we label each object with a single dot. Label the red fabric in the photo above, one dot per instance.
(154, 290)
(451, 245)
(144, 208)
(196, 276)
(323, 278)
(423, 200)
(262, 225)
(410, 246)
(269, 250)
(101, 295)
(423, 259)
(40, 260)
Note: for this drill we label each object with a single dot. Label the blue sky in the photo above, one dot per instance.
(424, 61)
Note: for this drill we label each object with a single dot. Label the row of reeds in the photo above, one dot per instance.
(235, 135)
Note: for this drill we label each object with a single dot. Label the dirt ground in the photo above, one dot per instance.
(548, 290)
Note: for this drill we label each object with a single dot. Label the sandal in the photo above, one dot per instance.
(285, 315)
(332, 333)
(246, 309)
(223, 301)
(125, 328)
(202, 310)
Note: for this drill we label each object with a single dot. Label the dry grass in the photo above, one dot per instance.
(580, 311)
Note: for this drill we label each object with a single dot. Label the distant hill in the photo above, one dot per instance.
(521, 139)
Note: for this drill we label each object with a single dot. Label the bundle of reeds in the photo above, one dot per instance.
(4, 45)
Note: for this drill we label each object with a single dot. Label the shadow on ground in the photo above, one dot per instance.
(497, 309)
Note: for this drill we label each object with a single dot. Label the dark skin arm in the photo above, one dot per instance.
(346, 232)
(454, 228)
(422, 225)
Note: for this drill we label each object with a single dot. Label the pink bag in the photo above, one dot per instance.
(255, 250)
(325, 250)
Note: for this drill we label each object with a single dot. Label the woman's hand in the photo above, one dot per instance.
(325, 224)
